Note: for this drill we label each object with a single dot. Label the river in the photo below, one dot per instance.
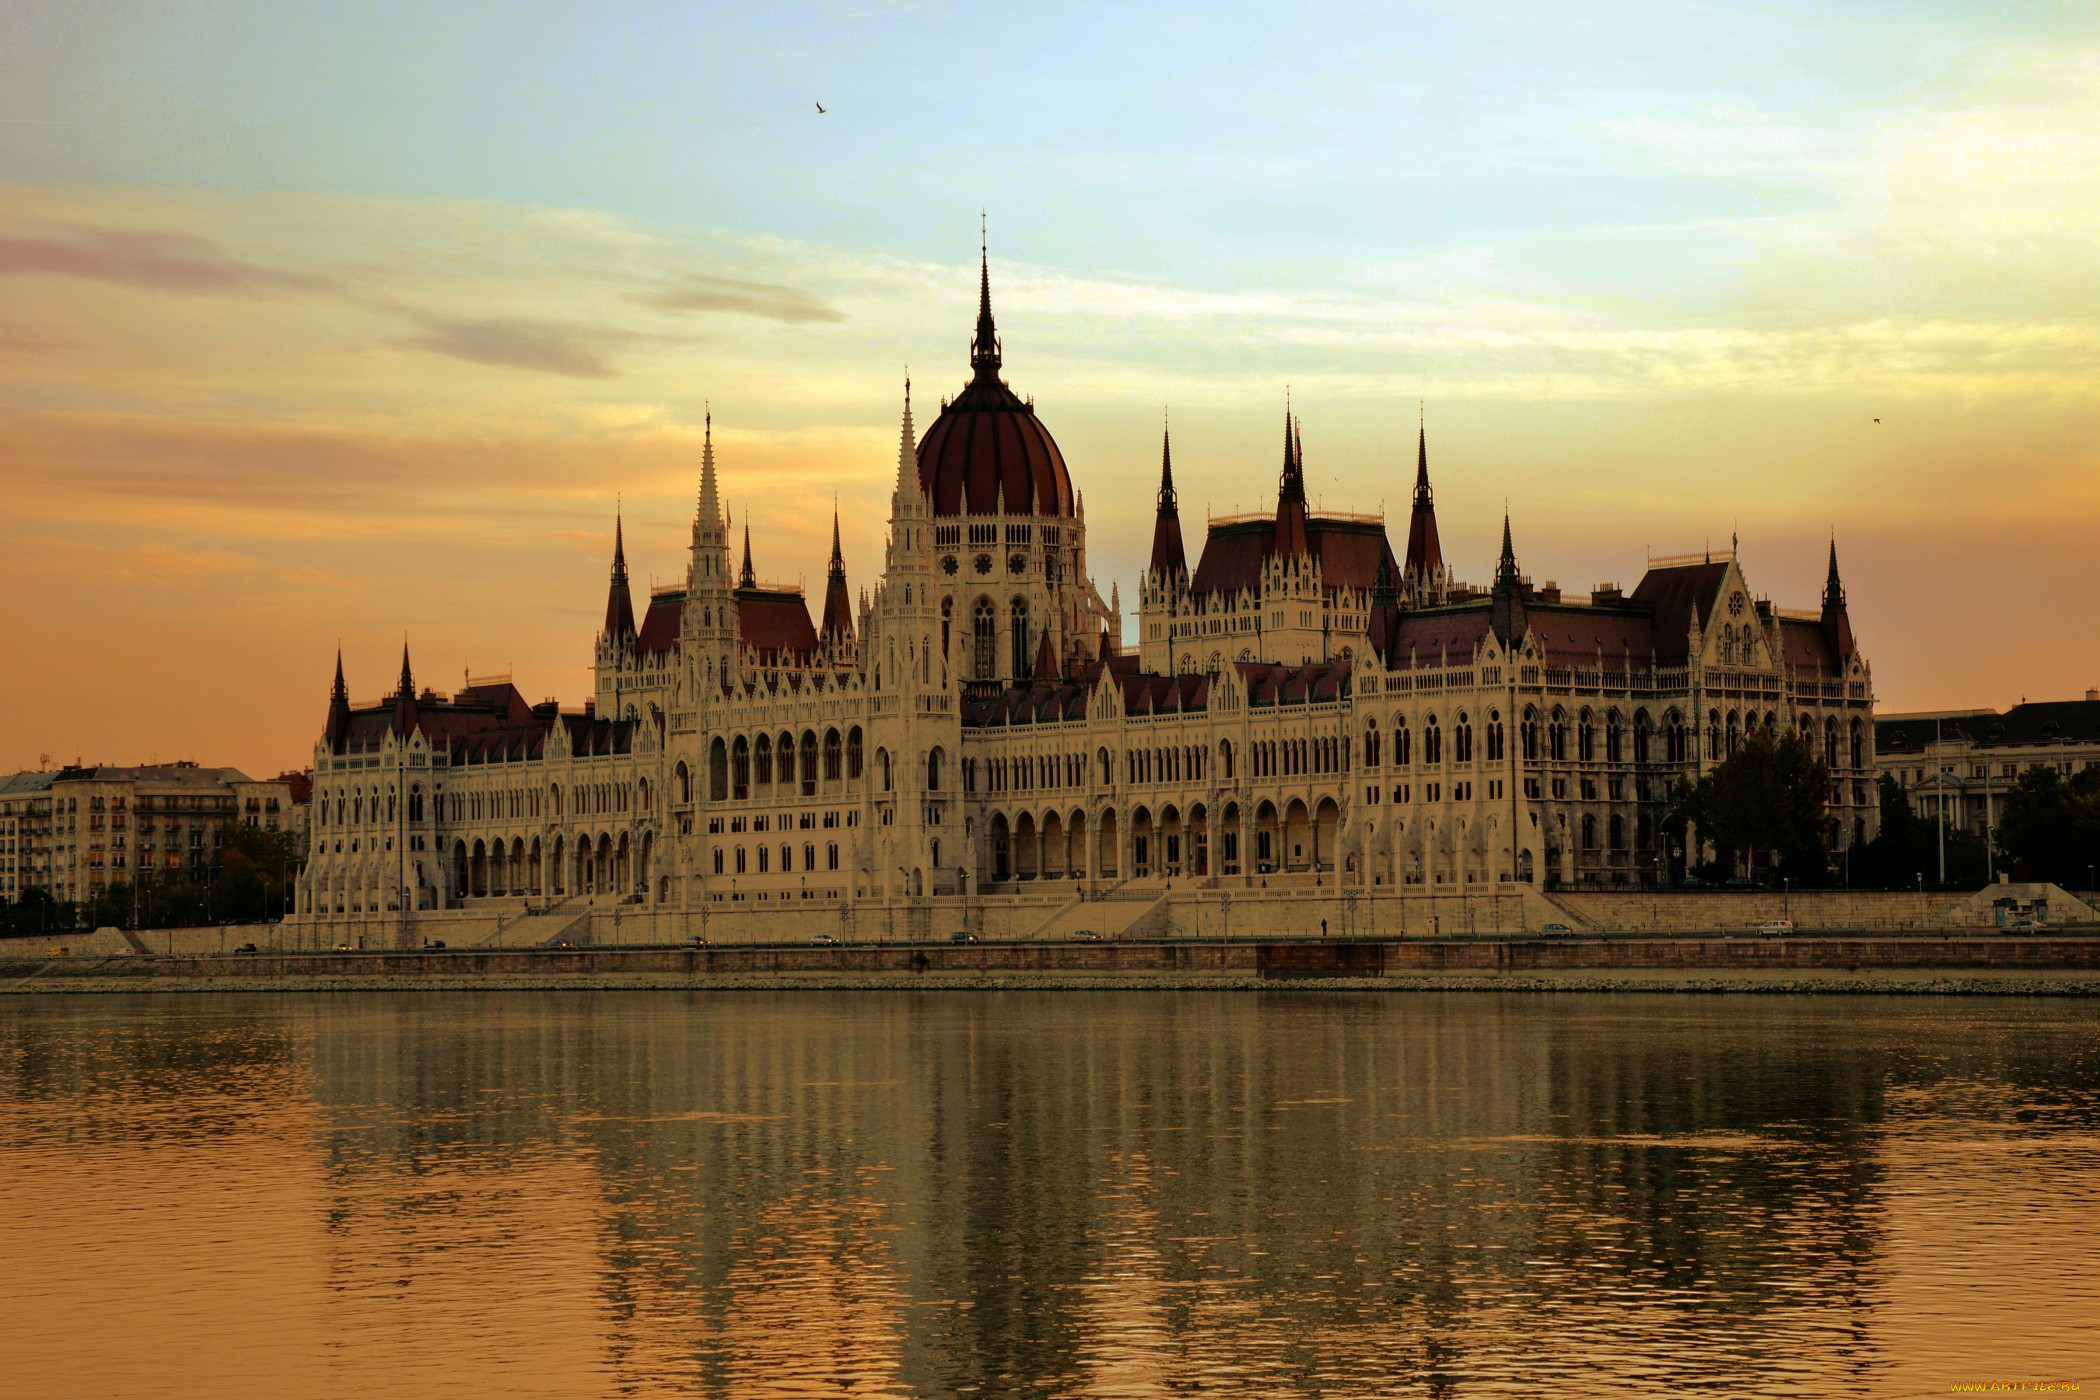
(1057, 1194)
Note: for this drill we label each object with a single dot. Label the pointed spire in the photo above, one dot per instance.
(984, 346)
(619, 602)
(1507, 614)
(1169, 559)
(1837, 622)
(907, 454)
(1424, 569)
(1046, 668)
(838, 602)
(710, 501)
(338, 707)
(1290, 535)
(405, 697)
(745, 578)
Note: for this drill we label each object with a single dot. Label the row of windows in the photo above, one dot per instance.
(740, 860)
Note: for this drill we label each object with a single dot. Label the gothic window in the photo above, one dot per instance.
(1585, 737)
(1713, 736)
(1021, 655)
(1830, 742)
(1640, 736)
(1462, 738)
(933, 771)
(1371, 745)
(784, 754)
(853, 754)
(1735, 734)
(1858, 744)
(947, 611)
(762, 761)
(1614, 740)
(718, 771)
(834, 756)
(1589, 831)
(740, 770)
(808, 762)
(1403, 744)
(1557, 736)
(984, 625)
(1494, 736)
(1432, 742)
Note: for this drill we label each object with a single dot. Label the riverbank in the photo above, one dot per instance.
(1946, 965)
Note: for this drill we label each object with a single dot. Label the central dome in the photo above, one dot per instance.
(988, 454)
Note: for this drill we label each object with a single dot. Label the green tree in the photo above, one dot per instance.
(2049, 829)
(1766, 804)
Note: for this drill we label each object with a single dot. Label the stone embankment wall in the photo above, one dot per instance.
(1717, 955)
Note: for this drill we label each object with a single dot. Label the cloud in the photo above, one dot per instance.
(175, 262)
(550, 347)
(766, 300)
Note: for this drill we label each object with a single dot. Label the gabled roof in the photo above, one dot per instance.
(1804, 647)
(1680, 594)
(1573, 636)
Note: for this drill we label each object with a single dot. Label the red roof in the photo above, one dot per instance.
(775, 622)
(1349, 552)
(1805, 647)
(660, 623)
(1679, 594)
(1573, 636)
(987, 441)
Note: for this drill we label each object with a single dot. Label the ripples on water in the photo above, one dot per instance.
(1065, 1194)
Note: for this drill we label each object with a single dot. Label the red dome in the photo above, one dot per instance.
(988, 443)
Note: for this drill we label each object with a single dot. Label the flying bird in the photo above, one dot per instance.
(820, 112)
(1877, 420)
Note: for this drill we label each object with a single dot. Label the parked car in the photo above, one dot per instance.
(1775, 928)
(962, 935)
(823, 938)
(1557, 931)
(2021, 926)
(696, 941)
(1087, 935)
(61, 952)
(559, 943)
(247, 950)
(343, 948)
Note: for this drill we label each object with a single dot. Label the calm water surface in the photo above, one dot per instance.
(1045, 1194)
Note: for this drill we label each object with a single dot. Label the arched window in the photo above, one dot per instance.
(1830, 742)
(947, 622)
(784, 759)
(808, 763)
(984, 625)
(1585, 736)
(1713, 736)
(685, 783)
(1371, 744)
(882, 767)
(1641, 736)
(717, 771)
(1735, 732)
(1022, 655)
(762, 761)
(1858, 744)
(1589, 831)
(415, 803)
(1557, 736)
(1494, 736)
(1432, 742)
(1403, 744)
(834, 756)
(933, 771)
(1528, 735)
(853, 754)
(1462, 738)
(1108, 769)
(740, 770)
(1614, 739)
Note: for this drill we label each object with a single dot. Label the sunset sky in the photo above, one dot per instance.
(340, 323)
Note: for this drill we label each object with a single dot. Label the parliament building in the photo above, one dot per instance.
(1302, 708)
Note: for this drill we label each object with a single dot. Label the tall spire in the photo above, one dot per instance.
(338, 707)
(745, 578)
(984, 346)
(619, 602)
(1507, 611)
(710, 500)
(1169, 560)
(1290, 538)
(1837, 622)
(405, 697)
(907, 488)
(838, 602)
(1425, 552)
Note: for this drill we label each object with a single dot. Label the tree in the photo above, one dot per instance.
(2049, 829)
(1768, 797)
